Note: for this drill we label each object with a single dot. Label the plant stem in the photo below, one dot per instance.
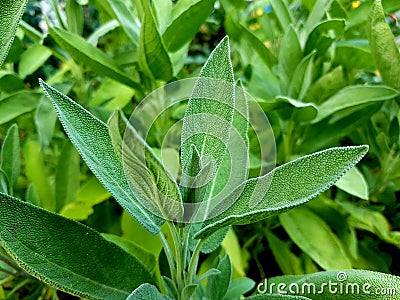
(170, 256)
(194, 261)
(13, 265)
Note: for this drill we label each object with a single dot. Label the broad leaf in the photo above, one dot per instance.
(147, 291)
(383, 46)
(90, 136)
(32, 59)
(83, 52)
(316, 14)
(312, 235)
(187, 17)
(153, 56)
(238, 287)
(356, 284)
(356, 95)
(78, 260)
(10, 156)
(17, 104)
(217, 285)
(287, 186)
(10, 14)
(354, 183)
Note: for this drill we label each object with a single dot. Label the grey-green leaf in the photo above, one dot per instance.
(369, 284)
(353, 96)
(83, 51)
(217, 284)
(90, 136)
(312, 235)
(9, 156)
(287, 186)
(10, 14)
(101, 271)
(147, 291)
(153, 56)
(383, 46)
(187, 18)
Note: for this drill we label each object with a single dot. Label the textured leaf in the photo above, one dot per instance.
(353, 96)
(312, 235)
(370, 285)
(83, 52)
(17, 104)
(354, 183)
(383, 46)
(187, 18)
(90, 136)
(209, 114)
(129, 23)
(10, 156)
(153, 56)
(287, 186)
(147, 291)
(217, 285)
(78, 260)
(10, 13)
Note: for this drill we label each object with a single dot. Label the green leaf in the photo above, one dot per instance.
(10, 14)
(354, 55)
(383, 46)
(312, 235)
(187, 17)
(10, 156)
(38, 174)
(354, 183)
(318, 11)
(67, 176)
(283, 13)
(188, 291)
(147, 291)
(88, 195)
(170, 287)
(316, 286)
(302, 77)
(32, 59)
(232, 248)
(211, 243)
(290, 55)
(356, 95)
(78, 260)
(276, 297)
(153, 56)
(75, 16)
(83, 52)
(90, 136)
(287, 261)
(209, 114)
(238, 287)
(17, 104)
(286, 187)
(45, 120)
(217, 285)
(129, 23)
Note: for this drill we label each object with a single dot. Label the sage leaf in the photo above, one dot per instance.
(147, 291)
(383, 46)
(91, 138)
(104, 273)
(286, 187)
(153, 56)
(32, 59)
(17, 104)
(9, 156)
(307, 230)
(217, 284)
(187, 17)
(10, 15)
(318, 11)
(82, 51)
(283, 13)
(356, 95)
(354, 183)
(351, 280)
(238, 287)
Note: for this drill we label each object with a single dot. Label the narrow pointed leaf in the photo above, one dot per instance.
(90, 137)
(10, 14)
(318, 11)
(10, 155)
(356, 284)
(78, 260)
(83, 51)
(218, 284)
(383, 46)
(17, 104)
(287, 186)
(187, 18)
(153, 56)
(282, 12)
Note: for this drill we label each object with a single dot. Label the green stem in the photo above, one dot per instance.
(194, 261)
(170, 256)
